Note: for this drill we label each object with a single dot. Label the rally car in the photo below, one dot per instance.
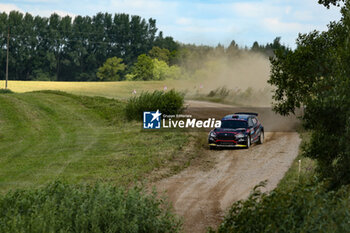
(241, 129)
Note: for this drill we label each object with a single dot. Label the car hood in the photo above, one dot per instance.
(225, 130)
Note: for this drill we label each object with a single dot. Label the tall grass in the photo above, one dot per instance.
(167, 102)
(60, 207)
(5, 91)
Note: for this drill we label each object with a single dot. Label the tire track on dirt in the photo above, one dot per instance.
(203, 197)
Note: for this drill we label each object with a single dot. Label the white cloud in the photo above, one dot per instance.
(37, 1)
(303, 15)
(202, 21)
(150, 8)
(8, 8)
(259, 9)
(47, 13)
(277, 26)
(184, 21)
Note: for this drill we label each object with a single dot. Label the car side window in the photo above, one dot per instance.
(250, 122)
(255, 121)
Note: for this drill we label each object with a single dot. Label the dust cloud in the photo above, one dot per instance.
(240, 78)
(244, 71)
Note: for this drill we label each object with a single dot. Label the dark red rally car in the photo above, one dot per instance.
(241, 129)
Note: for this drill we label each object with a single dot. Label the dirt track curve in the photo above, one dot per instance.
(203, 197)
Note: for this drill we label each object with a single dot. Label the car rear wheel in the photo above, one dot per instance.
(261, 138)
(212, 147)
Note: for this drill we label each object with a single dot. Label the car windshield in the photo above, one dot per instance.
(234, 124)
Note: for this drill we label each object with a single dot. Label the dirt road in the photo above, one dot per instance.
(202, 197)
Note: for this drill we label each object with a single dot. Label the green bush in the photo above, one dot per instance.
(168, 102)
(5, 91)
(305, 208)
(60, 207)
(301, 80)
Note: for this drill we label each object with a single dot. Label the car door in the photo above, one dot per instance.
(251, 129)
(256, 126)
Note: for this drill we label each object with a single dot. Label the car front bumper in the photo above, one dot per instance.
(227, 145)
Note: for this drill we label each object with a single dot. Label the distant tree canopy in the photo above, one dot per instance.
(66, 49)
(270, 48)
(111, 69)
(143, 68)
(160, 54)
(327, 3)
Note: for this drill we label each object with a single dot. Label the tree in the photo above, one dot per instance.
(166, 43)
(316, 75)
(67, 49)
(143, 68)
(111, 69)
(160, 54)
(255, 47)
(232, 50)
(327, 3)
(162, 71)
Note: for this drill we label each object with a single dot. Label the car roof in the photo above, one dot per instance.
(237, 117)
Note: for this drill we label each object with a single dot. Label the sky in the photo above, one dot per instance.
(206, 22)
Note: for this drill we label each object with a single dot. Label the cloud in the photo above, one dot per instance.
(143, 7)
(48, 13)
(202, 21)
(184, 21)
(277, 26)
(36, 1)
(8, 8)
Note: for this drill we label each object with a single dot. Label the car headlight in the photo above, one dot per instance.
(212, 134)
(240, 135)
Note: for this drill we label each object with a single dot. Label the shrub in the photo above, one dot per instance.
(221, 92)
(60, 207)
(169, 103)
(305, 208)
(5, 91)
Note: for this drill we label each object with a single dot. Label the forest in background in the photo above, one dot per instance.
(59, 48)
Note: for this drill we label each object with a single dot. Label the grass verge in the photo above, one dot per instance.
(50, 135)
(307, 168)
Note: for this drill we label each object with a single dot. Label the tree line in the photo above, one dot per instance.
(77, 49)
(67, 49)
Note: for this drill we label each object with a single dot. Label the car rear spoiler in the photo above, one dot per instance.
(248, 113)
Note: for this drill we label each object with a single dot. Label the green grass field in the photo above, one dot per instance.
(120, 90)
(45, 136)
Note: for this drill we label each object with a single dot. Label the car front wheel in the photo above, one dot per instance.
(261, 138)
(248, 142)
